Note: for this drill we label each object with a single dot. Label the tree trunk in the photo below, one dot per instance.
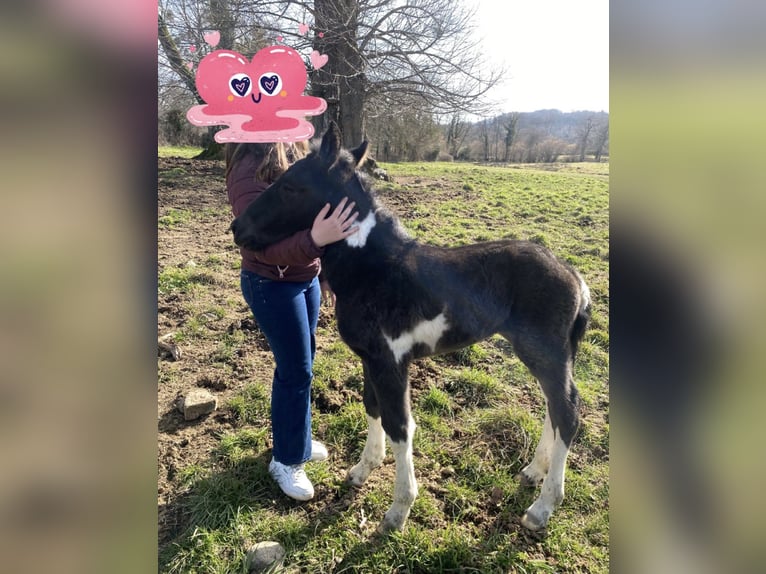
(602, 136)
(222, 20)
(341, 82)
(213, 150)
(510, 133)
(584, 135)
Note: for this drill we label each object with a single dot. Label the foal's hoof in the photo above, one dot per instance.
(535, 522)
(385, 527)
(531, 475)
(356, 477)
(529, 480)
(391, 522)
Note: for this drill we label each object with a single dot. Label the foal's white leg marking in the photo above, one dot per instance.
(552, 492)
(427, 332)
(359, 239)
(535, 471)
(584, 294)
(373, 454)
(406, 487)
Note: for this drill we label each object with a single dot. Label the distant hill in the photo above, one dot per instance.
(558, 124)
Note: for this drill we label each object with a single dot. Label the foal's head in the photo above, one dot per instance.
(292, 202)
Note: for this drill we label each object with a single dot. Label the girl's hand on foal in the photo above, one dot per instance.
(335, 226)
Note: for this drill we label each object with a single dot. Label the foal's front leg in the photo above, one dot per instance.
(406, 487)
(386, 400)
(373, 454)
(375, 448)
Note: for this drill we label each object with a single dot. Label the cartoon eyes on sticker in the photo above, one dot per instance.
(240, 85)
(270, 84)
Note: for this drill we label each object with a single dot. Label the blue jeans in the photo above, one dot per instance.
(287, 313)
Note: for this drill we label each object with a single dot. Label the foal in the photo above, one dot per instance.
(398, 300)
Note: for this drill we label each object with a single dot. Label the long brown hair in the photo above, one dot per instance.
(273, 159)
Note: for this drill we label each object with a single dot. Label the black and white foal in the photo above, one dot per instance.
(398, 300)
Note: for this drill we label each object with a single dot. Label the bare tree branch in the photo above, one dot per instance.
(175, 60)
(417, 53)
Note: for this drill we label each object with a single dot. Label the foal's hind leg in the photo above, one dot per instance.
(534, 473)
(563, 417)
(375, 448)
(549, 361)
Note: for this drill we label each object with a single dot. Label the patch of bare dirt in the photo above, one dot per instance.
(202, 245)
(199, 321)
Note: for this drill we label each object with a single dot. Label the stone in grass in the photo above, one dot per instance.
(263, 556)
(196, 403)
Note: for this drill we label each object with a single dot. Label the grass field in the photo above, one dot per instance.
(479, 412)
(177, 151)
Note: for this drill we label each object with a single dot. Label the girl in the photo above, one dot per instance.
(280, 284)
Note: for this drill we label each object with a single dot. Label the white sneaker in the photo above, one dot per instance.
(318, 451)
(292, 480)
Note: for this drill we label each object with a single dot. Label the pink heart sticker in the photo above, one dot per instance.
(212, 38)
(303, 28)
(260, 100)
(192, 48)
(318, 60)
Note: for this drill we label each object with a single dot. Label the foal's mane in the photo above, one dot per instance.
(345, 166)
(383, 214)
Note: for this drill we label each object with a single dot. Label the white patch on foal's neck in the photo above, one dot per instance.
(426, 332)
(359, 239)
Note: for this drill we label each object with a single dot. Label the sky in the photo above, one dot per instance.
(556, 53)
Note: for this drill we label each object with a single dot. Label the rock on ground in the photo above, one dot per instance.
(196, 403)
(263, 555)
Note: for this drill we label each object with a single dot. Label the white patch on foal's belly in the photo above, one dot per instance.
(426, 332)
(359, 239)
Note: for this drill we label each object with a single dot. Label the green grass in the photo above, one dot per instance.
(479, 412)
(234, 447)
(175, 218)
(183, 279)
(251, 406)
(178, 151)
(436, 401)
(473, 387)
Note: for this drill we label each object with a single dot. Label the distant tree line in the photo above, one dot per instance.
(517, 137)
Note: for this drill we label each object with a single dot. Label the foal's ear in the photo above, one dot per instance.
(360, 153)
(329, 151)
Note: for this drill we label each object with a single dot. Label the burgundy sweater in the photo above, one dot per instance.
(295, 258)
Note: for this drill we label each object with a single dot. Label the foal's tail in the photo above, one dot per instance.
(582, 317)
